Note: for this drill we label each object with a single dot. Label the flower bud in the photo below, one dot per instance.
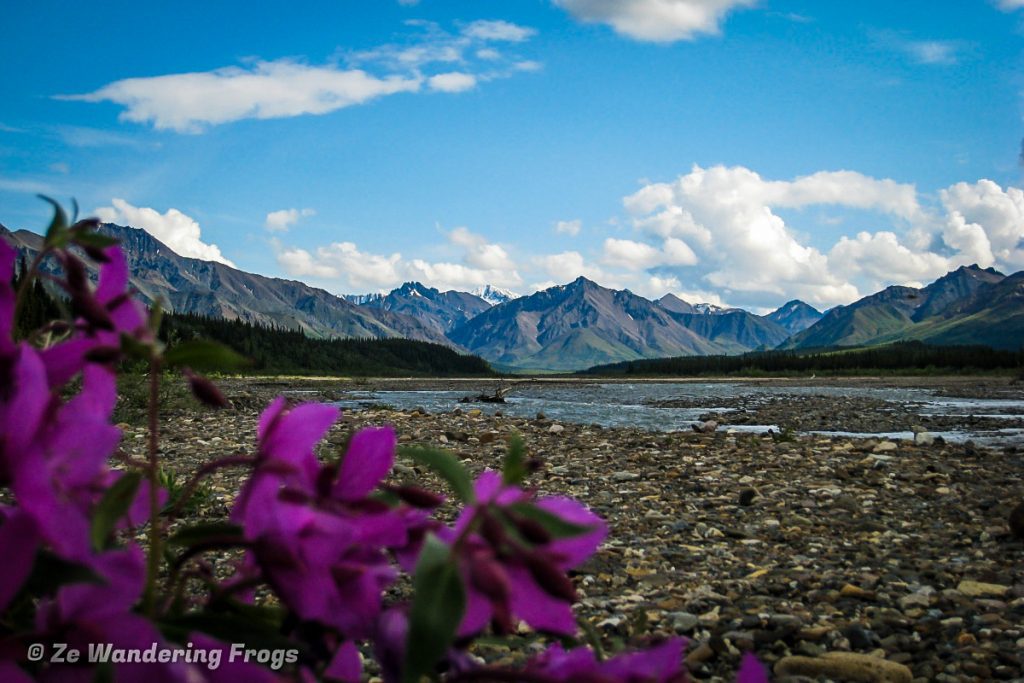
(78, 280)
(103, 354)
(549, 577)
(489, 577)
(205, 391)
(417, 497)
(532, 530)
(85, 305)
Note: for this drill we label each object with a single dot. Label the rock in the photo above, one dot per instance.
(706, 427)
(851, 591)
(860, 638)
(556, 429)
(885, 447)
(1016, 521)
(701, 653)
(476, 412)
(541, 416)
(625, 476)
(845, 666)
(747, 496)
(977, 589)
(924, 438)
(684, 622)
(488, 437)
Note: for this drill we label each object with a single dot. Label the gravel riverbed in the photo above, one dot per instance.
(832, 558)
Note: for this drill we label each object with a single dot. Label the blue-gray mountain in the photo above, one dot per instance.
(579, 324)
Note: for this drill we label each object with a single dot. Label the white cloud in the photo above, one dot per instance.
(659, 21)
(943, 52)
(453, 81)
(1010, 5)
(281, 221)
(339, 260)
(498, 31)
(178, 231)
(408, 3)
(354, 270)
(480, 253)
(729, 217)
(572, 227)
(188, 102)
(488, 53)
(986, 223)
(640, 256)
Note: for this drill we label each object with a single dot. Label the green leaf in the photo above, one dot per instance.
(208, 532)
(446, 465)
(112, 507)
(133, 348)
(202, 354)
(258, 628)
(513, 470)
(57, 233)
(50, 572)
(553, 524)
(94, 239)
(439, 601)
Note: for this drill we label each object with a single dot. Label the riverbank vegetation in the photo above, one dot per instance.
(901, 358)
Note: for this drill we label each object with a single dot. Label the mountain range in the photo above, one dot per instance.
(576, 325)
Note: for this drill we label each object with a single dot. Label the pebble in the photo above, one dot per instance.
(978, 589)
(846, 666)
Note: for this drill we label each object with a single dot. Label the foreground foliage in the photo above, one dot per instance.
(318, 543)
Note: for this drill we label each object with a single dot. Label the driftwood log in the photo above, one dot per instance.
(497, 397)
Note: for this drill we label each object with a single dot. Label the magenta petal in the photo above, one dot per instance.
(487, 485)
(113, 278)
(124, 573)
(575, 549)
(538, 608)
(269, 416)
(660, 663)
(369, 457)
(138, 513)
(292, 436)
(11, 672)
(751, 670)
(19, 540)
(478, 613)
(346, 665)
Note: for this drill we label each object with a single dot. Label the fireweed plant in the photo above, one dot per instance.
(318, 542)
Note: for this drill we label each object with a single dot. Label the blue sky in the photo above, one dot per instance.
(743, 152)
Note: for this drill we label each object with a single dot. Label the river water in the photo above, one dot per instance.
(643, 405)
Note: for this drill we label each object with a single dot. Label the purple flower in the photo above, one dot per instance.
(659, 664)
(19, 539)
(101, 614)
(503, 570)
(318, 539)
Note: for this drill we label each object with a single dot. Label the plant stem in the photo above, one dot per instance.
(153, 564)
(193, 483)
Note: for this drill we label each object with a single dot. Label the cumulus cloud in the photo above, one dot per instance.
(453, 81)
(986, 223)
(639, 255)
(281, 221)
(1010, 5)
(191, 101)
(729, 217)
(661, 21)
(353, 270)
(498, 31)
(572, 227)
(343, 260)
(178, 231)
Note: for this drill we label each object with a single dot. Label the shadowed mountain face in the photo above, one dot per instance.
(970, 305)
(440, 311)
(188, 285)
(575, 326)
(795, 316)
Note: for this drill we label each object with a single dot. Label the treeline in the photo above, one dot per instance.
(901, 357)
(278, 351)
